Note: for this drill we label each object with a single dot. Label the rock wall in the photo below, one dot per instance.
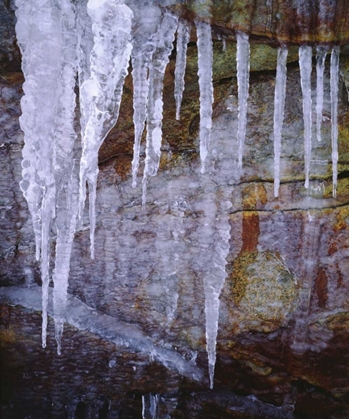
(283, 326)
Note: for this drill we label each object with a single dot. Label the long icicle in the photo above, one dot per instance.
(205, 57)
(41, 46)
(279, 106)
(305, 63)
(243, 76)
(100, 94)
(321, 52)
(64, 164)
(334, 78)
(157, 69)
(183, 34)
(144, 44)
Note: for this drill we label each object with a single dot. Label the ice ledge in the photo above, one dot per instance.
(83, 317)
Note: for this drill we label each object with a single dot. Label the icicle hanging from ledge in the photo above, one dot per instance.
(334, 114)
(144, 44)
(157, 67)
(183, 34)
(305, 64)
(279, 105)
(243, 76)
(100, 94)
(47, 39)
(321, 52)
(205, 57)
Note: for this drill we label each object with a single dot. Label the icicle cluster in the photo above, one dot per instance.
(100, 94)
(92, 39)
(160, 58)
(305, 64)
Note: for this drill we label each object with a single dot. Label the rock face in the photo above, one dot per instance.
(283, 323)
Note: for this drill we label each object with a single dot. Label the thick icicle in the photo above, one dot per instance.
(66, 177)
(305, 63)
(100, 94)
(243, 76)
(165, 38)
(39, 34)
(213, 236)
(205, 57)
(279, 105)
(144, 43)
(321, 52)
(334, 113)
(183, 34)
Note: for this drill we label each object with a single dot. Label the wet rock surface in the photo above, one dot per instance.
(283, 328)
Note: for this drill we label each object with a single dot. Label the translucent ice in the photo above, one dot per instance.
(149, 406)
(157, 67)
(144, 44)
(305, 63)
(100, 94)
(334, 113)
(205, 57)
(243, 76)
(47, 38)
(321, 52)
(183, 34)
(279, 105)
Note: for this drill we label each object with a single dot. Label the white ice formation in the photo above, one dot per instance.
(205, 57)
(334, 114)
(321, 52)
(100, 94)
(149, 406)
(279, 106)
(144, 44)
(95, 40)
(160, 58)
(243, 75)
(305, 64)
(183, 34)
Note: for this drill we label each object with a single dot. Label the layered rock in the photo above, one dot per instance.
(283, 330)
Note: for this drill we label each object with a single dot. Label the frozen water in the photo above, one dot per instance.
(334, 113)
(157, 67)
(205, 57)
(183, 34)
(149, 406)
(243, 76)
(144, 44)
(321, 52)
(279, 106)
(100, 94)
(305, 63)
(47, 39)
(214, 235)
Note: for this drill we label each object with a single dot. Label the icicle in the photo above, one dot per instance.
(243, 75)
(183, 34)
(39, 34)
(144, 43)
(205, 57)
(149, 406)
(65, 176)
(305, 63)
(321, 52)
(100, 94)
(224, 44)
(214, 236)
(157, 69)
(334, 113)
(279, 105)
